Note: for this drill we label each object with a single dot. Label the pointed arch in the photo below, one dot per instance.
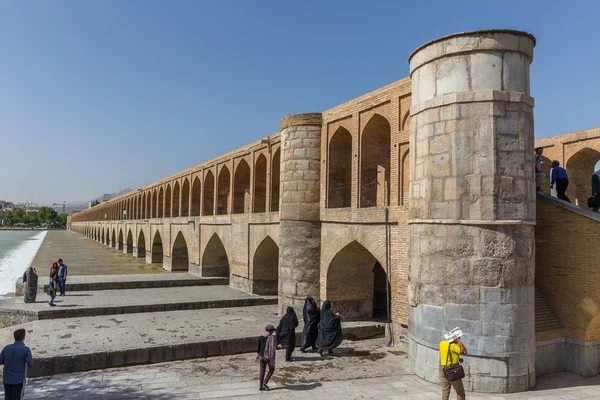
(223, 185)
(120, 240)
(176, 199)
(153, 203)
(168, 195)
(157, 249)
(209, 194)
(406, 121)
(160, 204)
(265, 268)
(147, 206)
(354, 283)
(214, 259)
(580, 167)
(260, 184)
(129, 243)
(405, 178)
(141, 245)
(114, 238)
(241, 188)
(196, 196)
(339, 176)
(107, 237)
(275, 168)
(375, 162)
(101, 235)
(140, 205)
(185, 198)
(179, 254)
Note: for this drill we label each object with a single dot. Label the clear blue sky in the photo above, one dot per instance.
(97, 94)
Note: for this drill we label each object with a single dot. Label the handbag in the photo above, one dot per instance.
(453, 372)
(593, 201)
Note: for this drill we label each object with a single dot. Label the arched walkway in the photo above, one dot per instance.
(580, 167)
(160, 203)
(356, 283)
(275, 168)
(339, 184)
(196, 196)
(129, 244)
(214, 258)
(375, 163)
(223, 191)
(260, 184)
(157, 249)
(179, 255)
(241, 188)
(168, 202)
(114, 238)
(141, 245)
(120, 241)
(209, 194)
(185, 198)
(176, 198)
(265, 268)
(153, 202)
(101, 235)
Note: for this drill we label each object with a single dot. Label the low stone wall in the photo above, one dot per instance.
(567, 355)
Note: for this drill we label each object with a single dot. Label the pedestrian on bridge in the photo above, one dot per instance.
(15, 357)
(266, 354)
(560, 177)
(286, 332)
(62, 276)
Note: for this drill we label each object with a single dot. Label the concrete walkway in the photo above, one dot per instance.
(358, 370)
(82, 344)
(86, 257)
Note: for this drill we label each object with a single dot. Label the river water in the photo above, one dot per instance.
(17, 250)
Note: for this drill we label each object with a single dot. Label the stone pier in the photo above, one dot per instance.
(300, 227)
(472, 216)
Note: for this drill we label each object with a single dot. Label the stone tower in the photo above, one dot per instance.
(300, 227)
(472, 211)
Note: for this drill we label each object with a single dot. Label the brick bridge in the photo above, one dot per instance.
(321, 209)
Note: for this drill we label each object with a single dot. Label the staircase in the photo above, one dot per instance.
(545, 318)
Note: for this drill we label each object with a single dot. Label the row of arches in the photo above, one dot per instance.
(374, 159)
(213, 196)
(356, 281)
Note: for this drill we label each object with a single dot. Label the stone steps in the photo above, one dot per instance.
(83, 344)
(128, 301)
(545, 318)
(86, 283)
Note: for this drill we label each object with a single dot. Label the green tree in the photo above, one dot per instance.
(62, 220)
(47, 215)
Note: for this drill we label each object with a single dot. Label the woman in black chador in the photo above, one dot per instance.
(310, 332)
(330, 329)
(286, 332)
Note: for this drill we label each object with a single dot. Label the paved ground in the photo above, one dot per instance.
(86, 257)
(128, 300)
(358, 370)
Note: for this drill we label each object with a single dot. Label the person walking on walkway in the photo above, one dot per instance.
(450, 355)
(286, 332)
(330, 329)
(266, 353)
(310, 332)
(15, 357)
(560, 177)
(62, 276)
(52, 288)
(539, 175)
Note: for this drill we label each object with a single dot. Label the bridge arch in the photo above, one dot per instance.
(179, 254)
(339, 177)
(153, 202)
(580, 167)
(356, 283)
(185, 198)
(141, 245)
(168, 195)
(196, 196)
(114, 238)
(223, 185)
(265, 267)
(275, 168)
(129, 243)
(375, 162)
(101, 235)
(160, 203)
(157, 249)
(260, 184)
(209, 194)
(241, 188)
(107, 237)
(176, 199)
(214, 258)
(120, 241)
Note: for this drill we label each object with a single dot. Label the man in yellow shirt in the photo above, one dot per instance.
(456, 349)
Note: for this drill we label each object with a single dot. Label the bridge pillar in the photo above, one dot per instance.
(300, 227)
(472, 211)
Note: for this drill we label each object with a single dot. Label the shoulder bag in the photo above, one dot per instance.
(453, 372)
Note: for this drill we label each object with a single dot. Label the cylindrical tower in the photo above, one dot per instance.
(300, 227)
(472, 210)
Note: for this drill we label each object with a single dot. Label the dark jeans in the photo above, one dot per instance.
(561, 189)
(263, 366)
(61, 285)
(14, 392)
(288, 353)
